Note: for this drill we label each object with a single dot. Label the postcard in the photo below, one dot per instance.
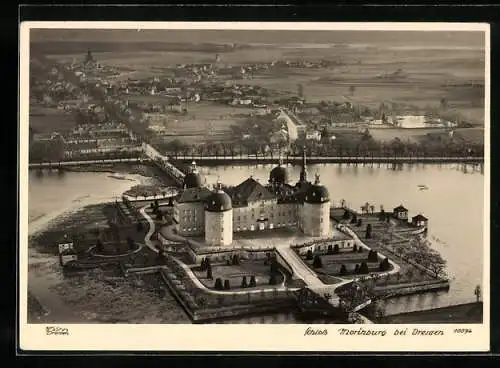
(228, 186)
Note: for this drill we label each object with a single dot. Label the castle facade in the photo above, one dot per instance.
(251, 206)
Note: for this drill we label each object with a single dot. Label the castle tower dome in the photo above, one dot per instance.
(279, 174)
(317, 193)
(193, 178)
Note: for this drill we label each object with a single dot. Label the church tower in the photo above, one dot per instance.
(89, 58)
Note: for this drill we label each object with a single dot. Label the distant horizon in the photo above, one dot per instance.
(474, 39)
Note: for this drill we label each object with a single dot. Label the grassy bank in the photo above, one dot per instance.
(100, 295)
(100, 298)
(35, 309)
(83, 220)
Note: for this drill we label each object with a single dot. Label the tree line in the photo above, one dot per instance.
(437, 146)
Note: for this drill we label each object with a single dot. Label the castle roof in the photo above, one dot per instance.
(248, 191)
(317, 193)
(285, 193)
(278, 175)
(400, 208)
(218, 201)
(419, 217)
(198, 194)
(192, 179)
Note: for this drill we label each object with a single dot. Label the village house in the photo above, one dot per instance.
(313, 135)
(73, 149)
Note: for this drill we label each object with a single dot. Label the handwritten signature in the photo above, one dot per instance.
(56, 331)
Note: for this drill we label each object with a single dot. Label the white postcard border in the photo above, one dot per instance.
(256, 337)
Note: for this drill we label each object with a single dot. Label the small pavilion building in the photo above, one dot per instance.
(419, 220)
(400, 212)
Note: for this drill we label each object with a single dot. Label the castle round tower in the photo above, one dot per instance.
(278, 175)
(192, 179)
(316, 210)
(218, 218)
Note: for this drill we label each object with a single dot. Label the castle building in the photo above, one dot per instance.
(189, 206)
(251, 206)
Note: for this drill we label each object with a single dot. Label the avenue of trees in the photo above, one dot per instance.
(355, 144)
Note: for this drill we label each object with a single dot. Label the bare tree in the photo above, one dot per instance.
(409, 273)
(437, 267)
(477, 293)
(300, 90)
(443, 103)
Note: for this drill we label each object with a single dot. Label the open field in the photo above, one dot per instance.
(427, 75)
(474, 135)
(47, 120)
(203, 121)
(96, 298)
(413, 135)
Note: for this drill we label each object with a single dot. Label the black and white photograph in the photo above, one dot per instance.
(330, 178)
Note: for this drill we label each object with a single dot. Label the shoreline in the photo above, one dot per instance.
(40, 284)
(133, 176)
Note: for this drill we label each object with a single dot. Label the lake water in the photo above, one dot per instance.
(453, 203)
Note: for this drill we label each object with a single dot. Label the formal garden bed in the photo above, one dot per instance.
(201, 304)
(414, 254)
(238, 274)
(345, 264)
